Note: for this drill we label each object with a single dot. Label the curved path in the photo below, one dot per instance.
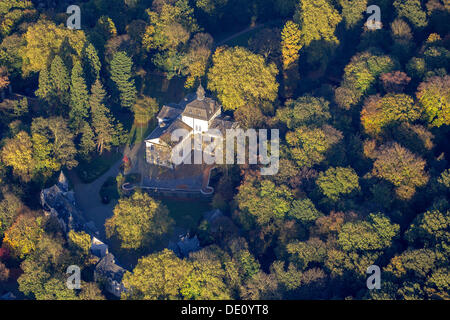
(248, 29)
(88, 197)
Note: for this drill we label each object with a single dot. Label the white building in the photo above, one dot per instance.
(196, 114)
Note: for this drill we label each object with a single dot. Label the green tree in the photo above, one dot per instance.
(171, 25)
(9, 210)
(309, 146)
(318, 20)
(44, 270)
(91, 64)
(10, 53)
(304, 211)
(56, 131)
(103, 123)
(306, 110)
(195, 61)
(79, 99)
(206, 281)
(12, 12)
(87, 142)
(79, 242)
(145, 109)
(353, 11)
(240, 77)
(264, 200)
(137, 221)
(431, 229)
(90, 291)
(434, 97)
(411, 10)
(121, 66)
(360, 77)
(45, 88)
(304, 253)
(60, 80)
(34, 276)
(375, 233)
(56, 289)
(45, 40)
(44, 164)
(18, 154)
(336, 182)
(159, 276)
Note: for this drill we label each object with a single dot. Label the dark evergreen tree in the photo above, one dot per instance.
(79, 99)
(121, 66)
(102, 120)
(60, 78)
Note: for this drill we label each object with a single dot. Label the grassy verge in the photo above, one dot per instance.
(139, 133)
(89, 171)
(109, 191)
(163, 90)
(187, 213)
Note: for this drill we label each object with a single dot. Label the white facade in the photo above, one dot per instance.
(197, 125)
(196, 117)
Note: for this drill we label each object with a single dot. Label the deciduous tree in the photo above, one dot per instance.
(240, 77)
(309, 146)
(434, 97)
(401, 168)
(159, 276)
(263, 200)
(337, 182)
(137, 221)
(375, 233)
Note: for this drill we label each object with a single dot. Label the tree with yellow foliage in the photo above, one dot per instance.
(239, 77)
(291, 43)
(44, 40)
(138, 220)
(18, 153)
(24, 234)
(318, 20)
(434, 97)
(402, 168)
(380, 112)
(158, 276)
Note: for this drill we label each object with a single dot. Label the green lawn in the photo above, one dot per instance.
(163, 90)
(139, 133)
(89, 171)
(109, 189)
(242, 40)
(187, 213)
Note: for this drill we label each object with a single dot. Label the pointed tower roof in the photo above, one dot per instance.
(200, 93)
(63, 184)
